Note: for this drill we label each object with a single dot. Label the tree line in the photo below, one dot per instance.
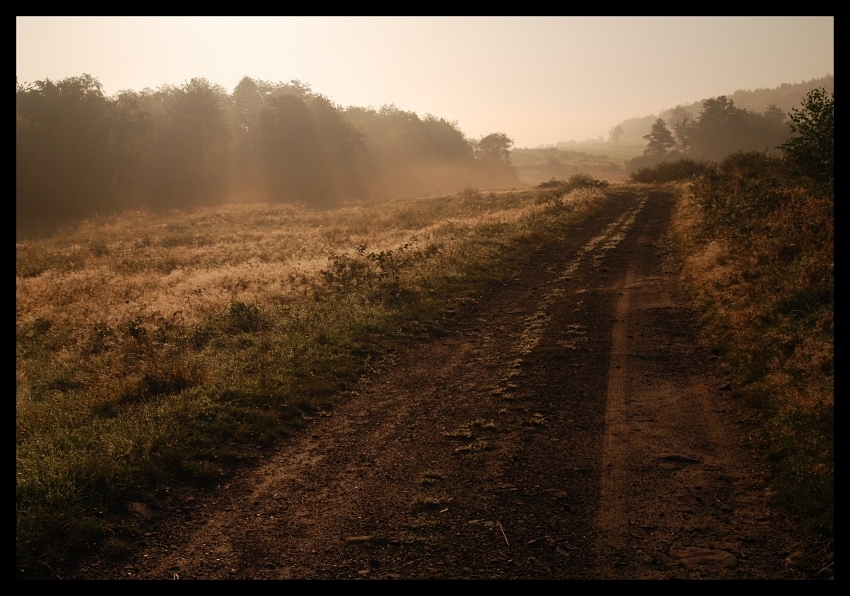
(785, 97)
(806, 158)
(79, 151)
(719, 129)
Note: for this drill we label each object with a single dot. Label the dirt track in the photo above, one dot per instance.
(565, 426)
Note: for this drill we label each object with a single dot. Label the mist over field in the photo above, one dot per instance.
(80, 152)
(159, 112)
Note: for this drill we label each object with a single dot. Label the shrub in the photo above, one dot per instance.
(99, 248)
(575, 181)
(669, 171)
(244, 317)
(741, 190)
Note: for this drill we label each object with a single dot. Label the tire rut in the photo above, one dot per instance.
(510, 447)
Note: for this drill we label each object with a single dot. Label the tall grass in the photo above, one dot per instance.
(757, 248)
(154, 349)
(669, 171)
(573, 182)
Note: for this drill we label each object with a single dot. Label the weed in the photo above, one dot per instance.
(99, 248)
(669, 171)
(576, 181)
(101, 338)
(244, 317)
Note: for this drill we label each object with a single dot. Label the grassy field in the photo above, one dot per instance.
(159, 349)
(757, 251)
(534, 166)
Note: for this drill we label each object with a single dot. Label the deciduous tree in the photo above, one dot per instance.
(812, 151)
(495, 148)
(64, 156)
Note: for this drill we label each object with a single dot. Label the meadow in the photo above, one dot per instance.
(606, 161)
(155, 349)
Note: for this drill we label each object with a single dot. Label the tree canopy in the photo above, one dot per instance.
(720, 129)
(79, 151)
(660, 140)
(812, 150)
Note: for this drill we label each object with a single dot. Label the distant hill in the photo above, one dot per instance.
(786, 96)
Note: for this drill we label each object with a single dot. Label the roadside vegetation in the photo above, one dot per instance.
(755, 233)
(576, 181)
(157, 350)
(670, 171)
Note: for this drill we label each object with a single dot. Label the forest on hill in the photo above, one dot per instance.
(784, 98)
(707, 130)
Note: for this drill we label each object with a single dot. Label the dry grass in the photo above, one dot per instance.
(157, 346)
(757, 254)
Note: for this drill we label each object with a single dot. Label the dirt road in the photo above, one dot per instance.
(565, 426)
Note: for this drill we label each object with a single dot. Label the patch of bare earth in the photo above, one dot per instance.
(567, 426)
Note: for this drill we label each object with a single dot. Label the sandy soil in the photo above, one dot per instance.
(566, 425)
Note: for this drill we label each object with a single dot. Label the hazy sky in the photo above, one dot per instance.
(541, 80)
